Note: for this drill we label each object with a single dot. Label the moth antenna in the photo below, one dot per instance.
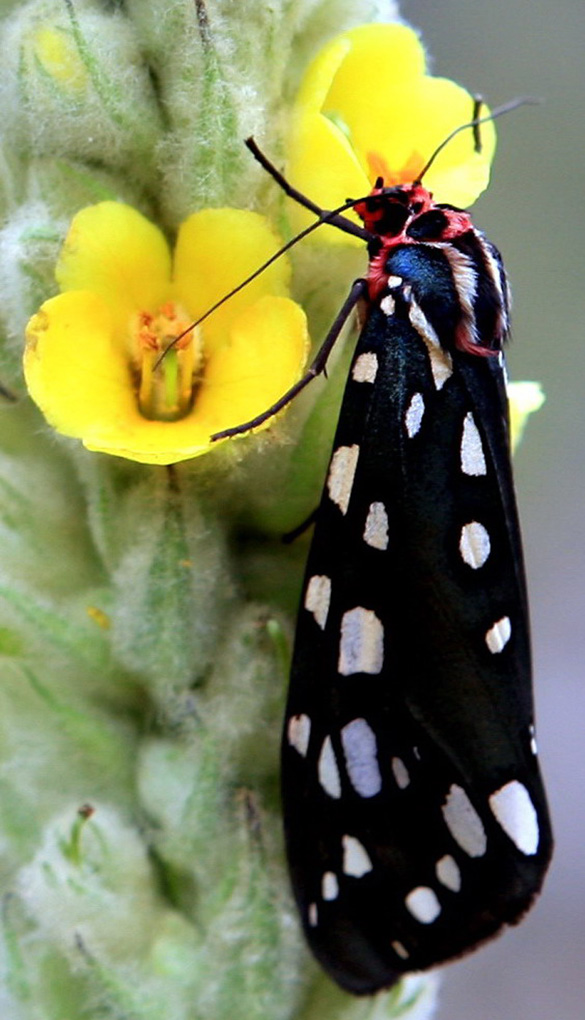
(475, 123)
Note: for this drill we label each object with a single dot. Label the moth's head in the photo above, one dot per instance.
(407, 214)
(388, 211)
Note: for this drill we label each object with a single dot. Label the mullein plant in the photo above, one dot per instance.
(147, 598)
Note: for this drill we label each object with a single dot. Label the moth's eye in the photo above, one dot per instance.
(393, 220)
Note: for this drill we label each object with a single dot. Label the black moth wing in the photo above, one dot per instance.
(415, 816)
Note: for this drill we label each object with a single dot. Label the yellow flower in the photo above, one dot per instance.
(93, 355)
(367, 108)
(524, 399)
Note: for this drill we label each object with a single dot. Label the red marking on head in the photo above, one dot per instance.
(387, 211)
(459, 223)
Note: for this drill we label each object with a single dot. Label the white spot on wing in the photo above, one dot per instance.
(341, 475)
(440, 360)
(414, 414)
(361, 758)
(365, 368)
(394, 281)
(388, 305)
(298, 732)
(329, 886)
(400, 773)
(472, 455)
(448, 873)
(318, 598)
(361, 649)
(376, 527)
(356, 861)
(514, 810)
(474, 544)
(464, 823)
(498, 636)
(312, 915)
(423, 904)
(328, 771)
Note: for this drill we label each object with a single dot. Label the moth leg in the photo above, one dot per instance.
(317, 366)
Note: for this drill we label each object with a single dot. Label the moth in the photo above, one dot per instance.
(415, 815)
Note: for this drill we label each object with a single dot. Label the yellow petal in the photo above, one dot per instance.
(317, 79)
(266, 354)
(379, 59)
(216, 250)
(74, 371)
(114, 251)
(151, 442)
(317, 142)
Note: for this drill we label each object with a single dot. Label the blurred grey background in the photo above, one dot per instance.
(535, 213)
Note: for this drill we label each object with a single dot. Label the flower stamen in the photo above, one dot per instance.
(379, 167)
(166, 385)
